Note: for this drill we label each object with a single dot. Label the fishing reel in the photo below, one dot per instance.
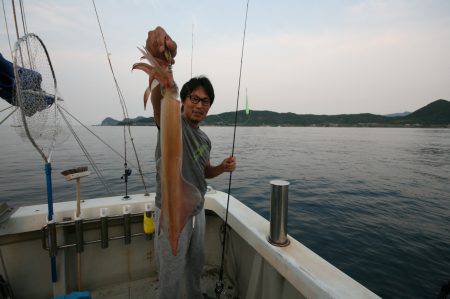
(225, 292)
(125, 178)
(126, 174)
(220, 287)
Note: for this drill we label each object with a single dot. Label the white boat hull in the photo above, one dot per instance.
(254, 268)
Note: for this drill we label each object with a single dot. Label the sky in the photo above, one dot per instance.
(306, 57)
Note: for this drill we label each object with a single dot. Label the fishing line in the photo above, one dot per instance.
(125, 165)
(121, 98)
(24, 20)
(192, 47)
(219, 285)
(6, 108)
(7, 29)
(86, 154)
(17, 27)
(25, 32)
(96, 136)
(3, 120)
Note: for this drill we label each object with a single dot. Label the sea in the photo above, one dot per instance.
(374, 202)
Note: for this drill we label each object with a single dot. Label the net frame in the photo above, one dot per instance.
(40, 121)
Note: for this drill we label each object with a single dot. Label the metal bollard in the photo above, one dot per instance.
(278, 213)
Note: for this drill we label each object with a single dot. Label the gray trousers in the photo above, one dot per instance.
(179, 276)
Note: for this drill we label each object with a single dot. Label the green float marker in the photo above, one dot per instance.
(247, 109)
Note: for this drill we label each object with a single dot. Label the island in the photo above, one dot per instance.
(435, 114)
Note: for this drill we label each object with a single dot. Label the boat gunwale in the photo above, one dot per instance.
(310, 274)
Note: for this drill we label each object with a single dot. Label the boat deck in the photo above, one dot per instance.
(148, 287)
(253, 267)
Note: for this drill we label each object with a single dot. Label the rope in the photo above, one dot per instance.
(95, 135)
(8, 114)
(15, 18)
(7, 29)
(121, 97)
(25, 32)
(219, 285)
(24, 21)
(17, 29)
(86, 153)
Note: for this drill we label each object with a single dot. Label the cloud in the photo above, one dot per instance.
(351, 71)
(373, 56)
(55, 15)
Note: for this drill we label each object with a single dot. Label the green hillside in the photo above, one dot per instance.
(270, 118)
(436, 113)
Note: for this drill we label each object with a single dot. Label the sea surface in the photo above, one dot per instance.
(374, 202)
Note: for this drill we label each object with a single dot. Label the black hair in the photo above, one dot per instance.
(193, 84)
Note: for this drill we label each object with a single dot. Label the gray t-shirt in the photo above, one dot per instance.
(196, 151)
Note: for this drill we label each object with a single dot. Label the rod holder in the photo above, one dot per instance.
(52, 244)
(278, 213)
(127, 224)
(79, 235)
(104, 228)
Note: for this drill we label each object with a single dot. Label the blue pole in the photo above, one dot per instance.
(48, 177)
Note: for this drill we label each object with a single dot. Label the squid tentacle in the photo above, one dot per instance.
(155, 72)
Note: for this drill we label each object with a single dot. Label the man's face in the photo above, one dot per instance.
(196, 112)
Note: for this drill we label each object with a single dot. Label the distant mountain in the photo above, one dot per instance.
(270, 118)
(436, 113)
(398, 114)
(109, 122)
(138, 121)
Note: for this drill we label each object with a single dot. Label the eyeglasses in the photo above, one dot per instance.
(195, 100)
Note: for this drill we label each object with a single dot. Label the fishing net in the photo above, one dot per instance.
(36, 94)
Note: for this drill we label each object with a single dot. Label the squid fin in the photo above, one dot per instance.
(185, 206)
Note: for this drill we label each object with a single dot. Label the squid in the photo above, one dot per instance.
(179, 198)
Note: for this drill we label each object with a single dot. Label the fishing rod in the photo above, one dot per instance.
(192, 47)
(7, 29)
(220, 285)
(123, 105)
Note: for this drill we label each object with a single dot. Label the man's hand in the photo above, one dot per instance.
(161, 46)
(160, 51)
(229, 164)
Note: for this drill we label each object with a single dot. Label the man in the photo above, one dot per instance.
(180, 275)
(34, 99)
